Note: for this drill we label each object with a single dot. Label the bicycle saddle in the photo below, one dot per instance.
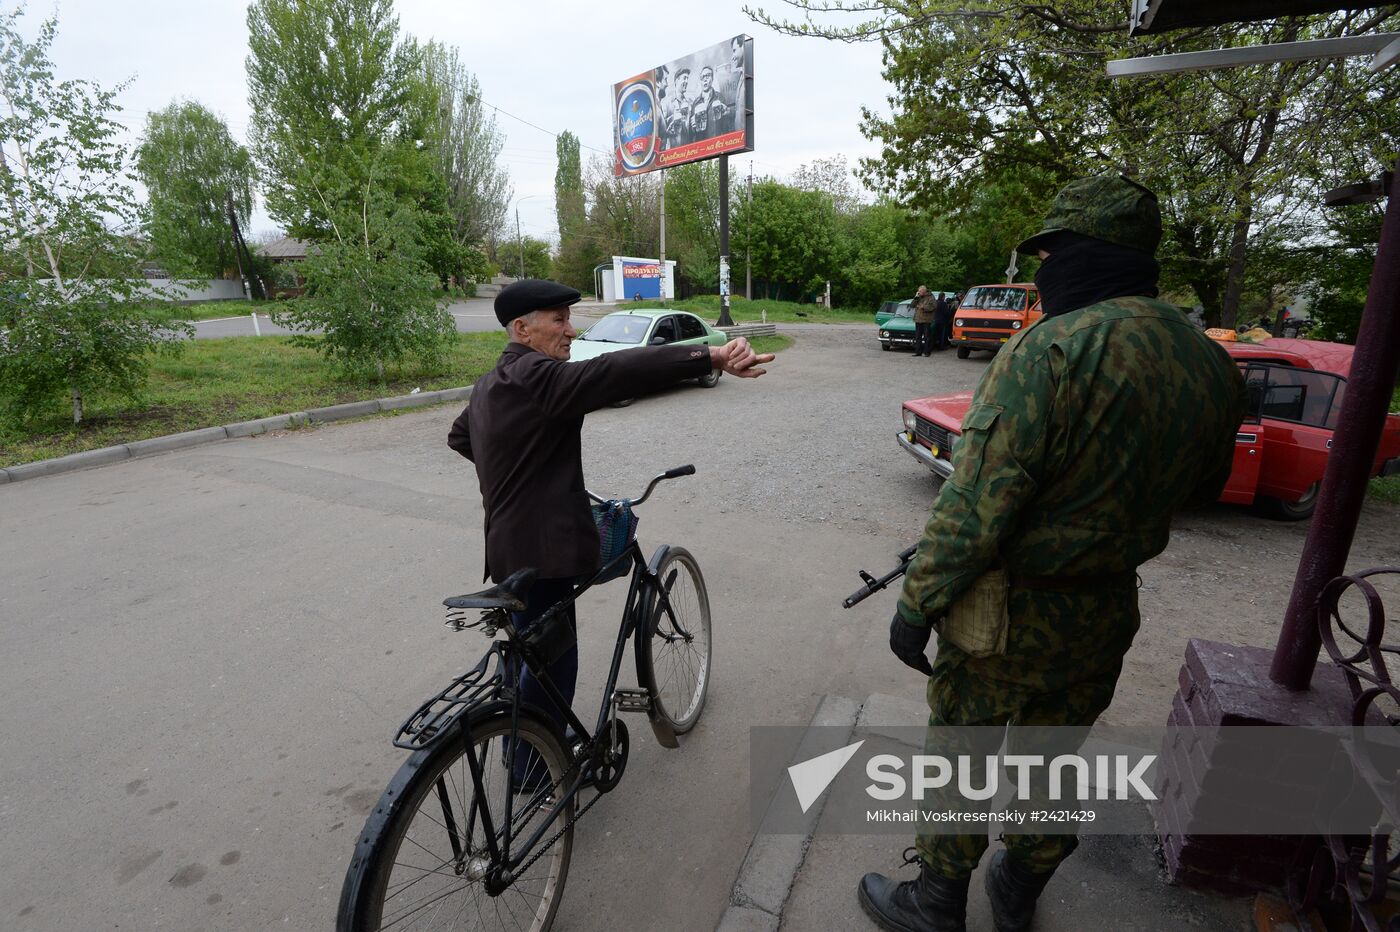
(509, 594)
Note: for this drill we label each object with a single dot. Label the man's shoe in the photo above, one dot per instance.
(1013, 891)
(928, 903)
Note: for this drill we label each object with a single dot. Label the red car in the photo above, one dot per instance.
(1295, 390)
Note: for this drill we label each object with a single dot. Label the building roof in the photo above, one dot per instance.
(285, 248)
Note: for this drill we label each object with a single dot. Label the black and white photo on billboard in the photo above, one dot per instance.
(703, 94)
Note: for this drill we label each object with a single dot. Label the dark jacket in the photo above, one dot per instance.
(522, 430)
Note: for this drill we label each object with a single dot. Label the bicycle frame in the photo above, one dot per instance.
(644, 588)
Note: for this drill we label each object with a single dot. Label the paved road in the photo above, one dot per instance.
(203, 654)
(473, 315)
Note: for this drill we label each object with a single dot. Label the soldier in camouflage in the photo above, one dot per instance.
(1086, 432)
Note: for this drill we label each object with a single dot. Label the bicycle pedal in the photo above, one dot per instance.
(632, 700)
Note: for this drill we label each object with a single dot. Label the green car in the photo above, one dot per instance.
(623, 330)
(896, 321)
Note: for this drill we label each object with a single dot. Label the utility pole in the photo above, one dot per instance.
(748, 249)
(724, 319)
(519, 243)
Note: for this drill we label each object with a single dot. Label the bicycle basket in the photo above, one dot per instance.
(617, 528)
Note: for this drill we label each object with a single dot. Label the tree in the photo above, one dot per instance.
(831, 176)
(791, 238)
(369, 288)
(72, 319)
(538, 263)
(193, 169)
(692, 224)
(568, 185)
(477, 186)
(984, 94)
(336, 99)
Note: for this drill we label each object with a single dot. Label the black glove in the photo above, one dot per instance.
(907, 642)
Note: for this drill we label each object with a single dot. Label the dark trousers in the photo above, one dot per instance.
(562, 672)
(922, 337)
(942, 331)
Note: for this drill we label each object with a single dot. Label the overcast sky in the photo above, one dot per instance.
(549, 62)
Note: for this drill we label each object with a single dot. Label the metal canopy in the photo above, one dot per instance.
(1149, 16)
(1383, 44)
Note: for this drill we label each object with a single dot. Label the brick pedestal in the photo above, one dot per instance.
(1226, 685)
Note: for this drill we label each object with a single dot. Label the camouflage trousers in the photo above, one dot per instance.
(1064, 653)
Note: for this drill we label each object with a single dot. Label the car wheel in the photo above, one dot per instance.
(1280, 510)
(623, 403)
(964, 352)
(885, 347)
(711, 380)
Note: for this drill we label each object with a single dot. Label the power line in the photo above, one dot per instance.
(532, 125)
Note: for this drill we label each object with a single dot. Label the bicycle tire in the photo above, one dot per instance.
(412, 810)
(674, 669)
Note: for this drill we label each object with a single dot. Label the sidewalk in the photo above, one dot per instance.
(1111, 882)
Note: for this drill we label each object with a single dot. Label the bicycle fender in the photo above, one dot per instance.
(665, 735)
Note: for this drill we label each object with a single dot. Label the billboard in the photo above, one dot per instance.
(694, 108)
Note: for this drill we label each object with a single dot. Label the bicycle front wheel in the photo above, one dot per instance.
(422, 861)
(673, 653)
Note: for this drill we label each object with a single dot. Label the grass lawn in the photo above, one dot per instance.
(749, 312)
(233, 379)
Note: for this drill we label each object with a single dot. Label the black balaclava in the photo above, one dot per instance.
(1081, 271)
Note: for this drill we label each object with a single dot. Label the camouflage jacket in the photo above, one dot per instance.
(923, 308)
(1085, 433)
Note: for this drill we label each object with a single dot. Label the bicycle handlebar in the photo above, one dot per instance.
(674, 473)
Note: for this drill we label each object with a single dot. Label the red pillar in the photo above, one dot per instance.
(1354, 445)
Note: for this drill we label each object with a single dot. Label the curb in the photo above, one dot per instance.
(190, 438)
(770, 868)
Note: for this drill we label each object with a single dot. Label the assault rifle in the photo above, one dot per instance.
(873, 585)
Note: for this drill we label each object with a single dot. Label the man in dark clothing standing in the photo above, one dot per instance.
(942, 317)
(522, 429)
(1086, 432)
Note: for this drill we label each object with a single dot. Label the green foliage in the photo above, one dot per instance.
(790, 236)
(336, 99)
(568, 185)
(692, 225)
(1018, 96)
(538, 263)
(370, 291)
(193, 169)
(476, 188)
(72, 315)
(235, 379)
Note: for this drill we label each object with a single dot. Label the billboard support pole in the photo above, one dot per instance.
(664, 295)
(724, 319)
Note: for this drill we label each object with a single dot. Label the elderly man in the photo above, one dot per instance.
(522, 429)
(1086, 432)
(923, 322)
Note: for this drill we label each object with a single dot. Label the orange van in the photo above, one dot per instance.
(989, 315)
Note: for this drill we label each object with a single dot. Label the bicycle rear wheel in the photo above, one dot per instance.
(422, 862)
(673, 653)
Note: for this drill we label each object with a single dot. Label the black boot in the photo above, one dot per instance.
(1013, 891)
(928, 903)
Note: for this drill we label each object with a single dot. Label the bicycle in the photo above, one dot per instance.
(476, 828)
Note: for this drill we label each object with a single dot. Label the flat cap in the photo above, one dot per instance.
(532, 294)
(1110, 207)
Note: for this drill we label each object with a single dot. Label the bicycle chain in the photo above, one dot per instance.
(558, 835)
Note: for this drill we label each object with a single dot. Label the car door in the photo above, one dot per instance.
(664, 332)
(1295, 414)
(692, 329)
(1249, 442)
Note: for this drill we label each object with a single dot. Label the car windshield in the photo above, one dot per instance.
(999, 299)
(904, 309)
(618, 328)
